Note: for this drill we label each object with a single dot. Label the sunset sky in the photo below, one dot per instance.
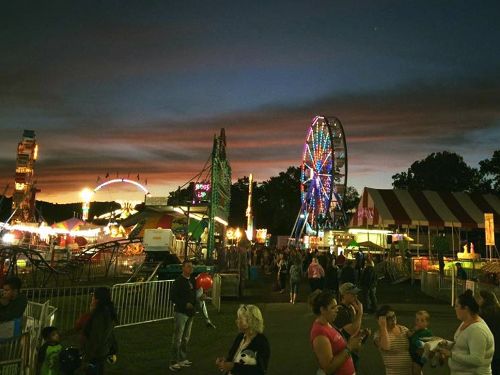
(141, 87)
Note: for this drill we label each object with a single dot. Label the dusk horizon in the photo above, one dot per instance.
(142, 89)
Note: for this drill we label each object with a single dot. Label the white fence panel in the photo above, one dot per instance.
(143, 302)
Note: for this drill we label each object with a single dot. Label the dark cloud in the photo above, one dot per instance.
(143, 88)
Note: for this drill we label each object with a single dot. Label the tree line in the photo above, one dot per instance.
(276, 201)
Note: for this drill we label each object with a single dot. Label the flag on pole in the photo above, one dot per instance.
(146, 182)
(138, 178)
(107, 174)
(98, 179)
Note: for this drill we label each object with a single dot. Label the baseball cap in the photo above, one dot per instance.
(349, 288)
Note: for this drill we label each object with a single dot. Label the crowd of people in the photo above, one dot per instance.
(342, 292)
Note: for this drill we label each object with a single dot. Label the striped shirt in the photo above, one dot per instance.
(397, 360)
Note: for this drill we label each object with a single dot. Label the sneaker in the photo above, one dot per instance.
(210, 325)
(175, 367)
(185, 363)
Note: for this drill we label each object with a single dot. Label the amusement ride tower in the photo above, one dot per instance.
(23, 199)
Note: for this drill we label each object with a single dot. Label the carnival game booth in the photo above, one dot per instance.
(450, 219)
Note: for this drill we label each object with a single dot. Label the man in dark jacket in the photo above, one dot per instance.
(368, 283)
(184, 299)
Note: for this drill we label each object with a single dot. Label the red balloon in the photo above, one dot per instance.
(204, 280)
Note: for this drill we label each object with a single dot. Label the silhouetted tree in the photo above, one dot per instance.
(278, 202)
(239, 199)
(490, 172)
(351, 201)
(442, 171)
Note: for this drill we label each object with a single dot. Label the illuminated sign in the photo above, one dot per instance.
(201, 192)
(261, 236)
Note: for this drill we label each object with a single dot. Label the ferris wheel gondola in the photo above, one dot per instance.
(323, 180)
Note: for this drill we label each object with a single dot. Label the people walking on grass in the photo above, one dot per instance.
(392, 341)
(315, 274)
(295, 277)
(472, 352)
(489, 310)
(250, 352)
(348, 273)
(420, 331)
(349, 313)
(332, 277)
(99, 342)
(368, 283)
(282, 271)
(332, 351)
(184, 299)
(341, 259)
(461, 274)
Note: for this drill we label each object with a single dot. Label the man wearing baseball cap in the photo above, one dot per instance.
(349, 312)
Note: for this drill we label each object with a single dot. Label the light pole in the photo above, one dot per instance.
(86, 195)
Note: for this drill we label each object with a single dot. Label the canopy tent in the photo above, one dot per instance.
(381, 208)
(71, 224)
(352, 243)
(371, 245)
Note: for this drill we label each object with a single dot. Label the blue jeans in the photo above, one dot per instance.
(180, 339)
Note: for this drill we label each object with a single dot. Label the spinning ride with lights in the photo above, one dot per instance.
(127, 207)
(323, 180)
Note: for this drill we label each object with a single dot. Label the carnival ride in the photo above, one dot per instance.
(323, 180)
(44, 258)
(127, 207)
(96, 261)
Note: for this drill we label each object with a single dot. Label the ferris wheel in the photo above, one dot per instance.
(323, 180)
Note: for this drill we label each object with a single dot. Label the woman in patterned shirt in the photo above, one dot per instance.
(392, 341)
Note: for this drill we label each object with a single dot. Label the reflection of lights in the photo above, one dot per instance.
(237, 234)
(8, 238)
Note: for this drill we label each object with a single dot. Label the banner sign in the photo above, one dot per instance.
(489, 229)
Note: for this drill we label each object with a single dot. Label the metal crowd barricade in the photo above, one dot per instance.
(18, 354)
(136, 303)
(14, 355)
(68, 303)
(447, 288)
(143, 302)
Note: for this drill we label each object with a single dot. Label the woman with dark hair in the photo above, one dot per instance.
(329, 346)
(489, 310)
(392, 341)
(473, 349)
(99, 341)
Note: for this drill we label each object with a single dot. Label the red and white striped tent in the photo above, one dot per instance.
(382, 208)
